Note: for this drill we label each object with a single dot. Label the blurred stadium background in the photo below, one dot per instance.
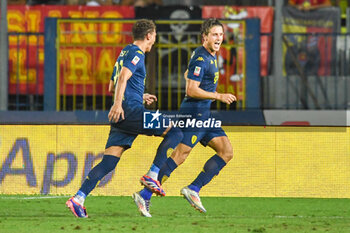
(289, 69)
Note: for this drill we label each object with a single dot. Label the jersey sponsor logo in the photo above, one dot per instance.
(200, 59)
(135, 60)
(197, 70)
(194, 139)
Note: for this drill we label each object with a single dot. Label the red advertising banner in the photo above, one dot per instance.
(232, 12)
(26, 53)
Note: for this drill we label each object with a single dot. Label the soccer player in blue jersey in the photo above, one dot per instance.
(126, 117)
(201, 81)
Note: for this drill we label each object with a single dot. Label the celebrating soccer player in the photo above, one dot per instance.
(126, 117)
(201, 81)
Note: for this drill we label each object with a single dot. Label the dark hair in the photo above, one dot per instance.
(208, 24)
(141, 28)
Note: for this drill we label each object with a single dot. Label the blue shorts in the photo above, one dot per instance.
(124, 132)
(193, 135)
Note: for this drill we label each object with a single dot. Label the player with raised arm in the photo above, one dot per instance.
(201, 82)
(126, 117)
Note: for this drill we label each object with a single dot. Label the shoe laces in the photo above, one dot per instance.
(148, 204)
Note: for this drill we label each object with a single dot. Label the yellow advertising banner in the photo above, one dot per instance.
(268, 162)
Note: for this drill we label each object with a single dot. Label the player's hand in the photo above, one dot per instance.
(226, 98)
(116, 113)
(149, 99)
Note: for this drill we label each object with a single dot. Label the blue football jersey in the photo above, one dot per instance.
(132, 58)
(203, 67)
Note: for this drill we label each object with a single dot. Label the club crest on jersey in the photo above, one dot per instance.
(135, 60)
(197, 70)
(194, 139)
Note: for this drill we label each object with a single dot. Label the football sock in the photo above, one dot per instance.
(108, 163)
(170, 141)
(168, 167)
(146, 193)
(80, 197)
(211, 168)
(153, 172)
(194, 188)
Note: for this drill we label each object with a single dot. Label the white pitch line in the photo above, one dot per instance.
(29, 198)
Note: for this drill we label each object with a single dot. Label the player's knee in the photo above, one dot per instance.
(179, 158)
(116, 151)
(226, 153)
(229, 154)
(180, 154)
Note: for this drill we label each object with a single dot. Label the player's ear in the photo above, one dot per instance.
(148, 36)
(204, 37)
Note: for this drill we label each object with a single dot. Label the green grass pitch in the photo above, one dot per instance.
(173, 214)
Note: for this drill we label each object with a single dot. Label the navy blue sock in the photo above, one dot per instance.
(168, 167)
(171, 140)
(108, 163)
(211, 168)
(194, 188)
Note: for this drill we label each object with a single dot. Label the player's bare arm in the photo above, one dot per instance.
(117, 111)
(193, 90)
(111, 86)
(149, 99)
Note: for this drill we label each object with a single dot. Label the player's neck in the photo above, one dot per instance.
(212, 52)
(141, 44)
